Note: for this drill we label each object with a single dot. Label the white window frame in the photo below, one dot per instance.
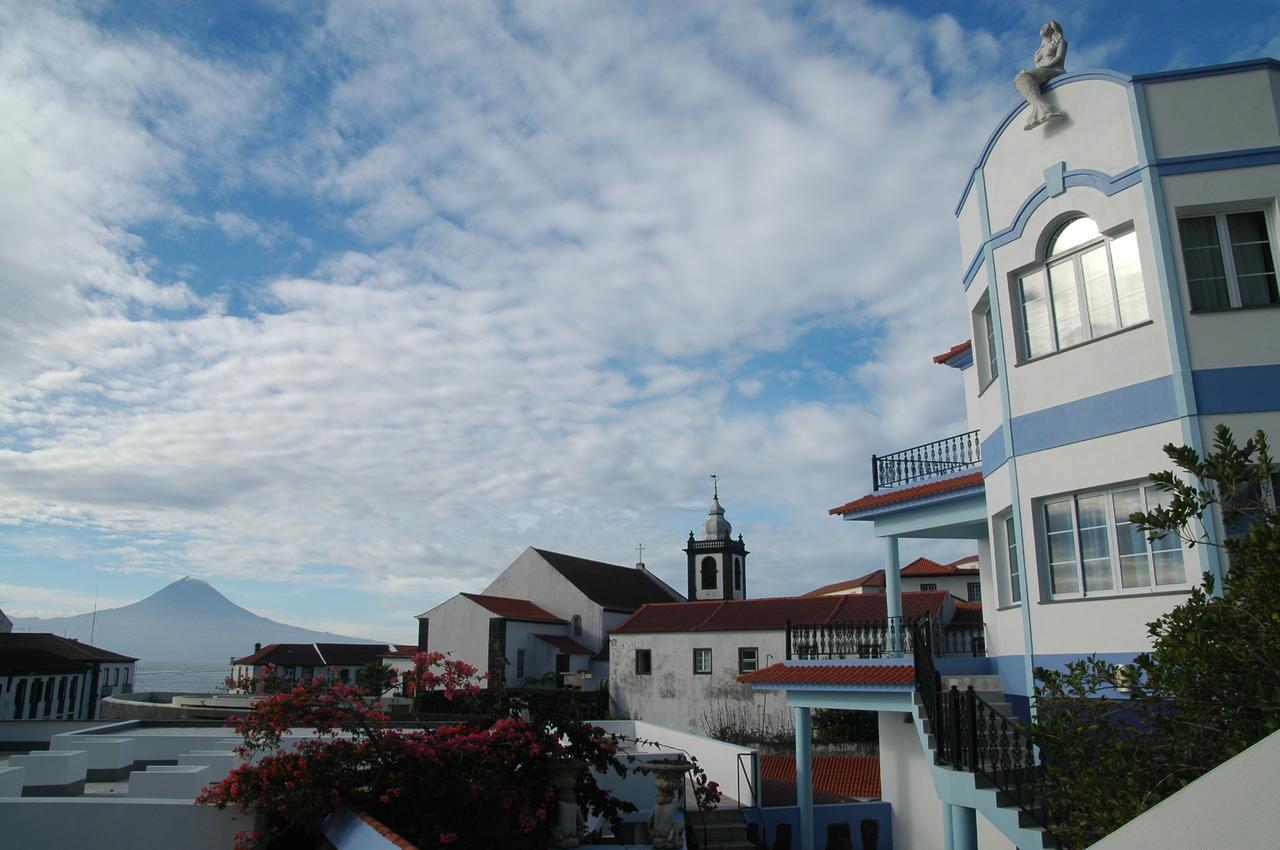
(1228, 256)
(702, 661)
(1008, 567)
(928, 586)
(984, 337)
(969, 591)
(1073, 256)
(1149, 496)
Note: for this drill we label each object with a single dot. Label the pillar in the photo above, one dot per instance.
(893, 594)
(804, 775)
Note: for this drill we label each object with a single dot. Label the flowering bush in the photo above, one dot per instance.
(468, 785)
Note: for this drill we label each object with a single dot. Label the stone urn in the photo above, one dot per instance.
(566, 830)
(668, 777)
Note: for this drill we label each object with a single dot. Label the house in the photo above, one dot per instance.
(959, 578)
(6, 625)
(678, 664)
(1121, 288)
(47, 677)
(547, 614)
(332, 661)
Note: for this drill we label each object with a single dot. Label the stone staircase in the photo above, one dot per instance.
(975, 790)
(720, 829)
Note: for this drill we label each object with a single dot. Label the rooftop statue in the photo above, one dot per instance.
(1051, 60)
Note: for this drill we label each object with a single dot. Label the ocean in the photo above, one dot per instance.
(193, 677)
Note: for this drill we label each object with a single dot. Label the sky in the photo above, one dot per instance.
(341, 306)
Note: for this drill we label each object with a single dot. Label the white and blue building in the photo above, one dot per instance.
(1120, 280)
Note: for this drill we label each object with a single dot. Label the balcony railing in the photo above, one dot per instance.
(887, 638)
(931, 460)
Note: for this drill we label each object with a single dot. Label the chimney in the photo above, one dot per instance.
(257, 647)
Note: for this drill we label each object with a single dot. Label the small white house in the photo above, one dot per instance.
(546, 614)
(959, 578)
(335, 662)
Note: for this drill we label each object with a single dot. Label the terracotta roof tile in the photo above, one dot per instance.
(783, 673)
(955, 350)
(908, 494)
(772, 614)
(63, 647)
(923, 567)
(844, 776)
(513, 609)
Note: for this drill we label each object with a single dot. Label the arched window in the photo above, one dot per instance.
(577, 624)
(1090, 285)
(708, 573)
(737, 573)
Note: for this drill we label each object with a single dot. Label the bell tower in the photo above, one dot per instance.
(717, 562)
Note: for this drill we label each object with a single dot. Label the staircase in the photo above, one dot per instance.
(720, 829)
(982, 759)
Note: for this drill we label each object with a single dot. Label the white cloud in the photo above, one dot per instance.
(572, 228)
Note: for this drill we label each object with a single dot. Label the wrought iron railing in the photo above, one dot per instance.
(930, 460)
(972, 736)
(887, 638)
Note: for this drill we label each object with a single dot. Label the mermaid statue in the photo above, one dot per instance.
(1051, 60)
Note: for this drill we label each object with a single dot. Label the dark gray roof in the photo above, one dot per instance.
(609, 585)
(72, 650)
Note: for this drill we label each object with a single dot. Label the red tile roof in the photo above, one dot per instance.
(324, 654)
(72, 650)
(772, 614)
(845, 776)
(514, 609)
(967, 613)
(783, 673)
(954, 351)
(908, 494)
(919, 568)
(566, 644)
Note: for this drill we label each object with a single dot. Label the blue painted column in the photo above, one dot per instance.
(964, 828)
(893, 592)
(804, 775)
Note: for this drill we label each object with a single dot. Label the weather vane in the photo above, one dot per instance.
(715, 485)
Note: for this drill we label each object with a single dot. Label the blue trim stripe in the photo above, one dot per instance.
(1208, 71)
(963, 360)
(1111, 76)
(1107, 185)
(1242, 389)
(1220, 161)
(993, 452)
(1112, 412)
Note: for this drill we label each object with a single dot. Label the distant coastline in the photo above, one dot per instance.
(195, 677)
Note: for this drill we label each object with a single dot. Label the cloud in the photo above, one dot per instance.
(546, 248)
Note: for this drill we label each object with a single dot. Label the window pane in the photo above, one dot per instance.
(1202, 255)
(1073, 234)
(1066, 304)
(1061, 540)
(1128, 272)
(1011, 540)
(1097, 290)
(1095, 546)
(1035, 315)
(993, 368)
(1166, 551)
(1131, 544)
(1251, 251)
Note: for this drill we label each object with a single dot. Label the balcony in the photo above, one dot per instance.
(889, 638)
(938, 459)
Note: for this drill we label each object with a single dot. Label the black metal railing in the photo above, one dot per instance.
(930, 460)
(970, 735)
(887, 638)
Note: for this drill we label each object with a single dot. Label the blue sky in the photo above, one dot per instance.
(339, 307)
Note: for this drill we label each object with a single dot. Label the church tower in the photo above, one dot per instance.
(717, 562)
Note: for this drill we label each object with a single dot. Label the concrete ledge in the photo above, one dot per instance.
(52, 773)
(169, 782)
(219, 762)
(110, 758)
(11, 781)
